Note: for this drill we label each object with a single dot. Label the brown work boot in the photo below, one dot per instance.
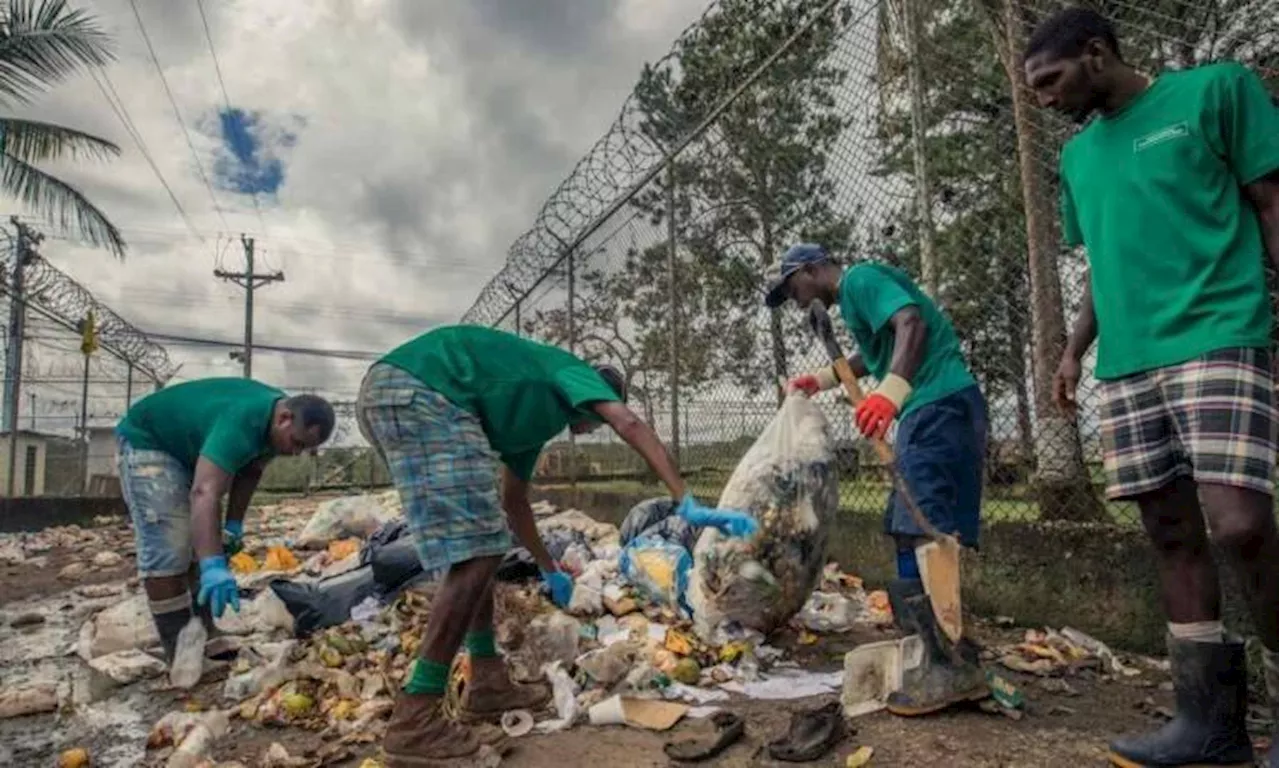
(490, 692)
(419, 734)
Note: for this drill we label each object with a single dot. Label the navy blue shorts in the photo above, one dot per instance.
(941, 449)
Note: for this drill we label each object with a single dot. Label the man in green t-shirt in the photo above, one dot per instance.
(906, 343)
(1171, 188)
(447, 411)
(180, 451)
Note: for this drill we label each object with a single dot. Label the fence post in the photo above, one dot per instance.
(573, 440)
(13, 365)
(517, 315)
(128, 388)
(674, 319)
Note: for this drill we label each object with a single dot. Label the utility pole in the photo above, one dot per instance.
(17, 321)
(249, 280)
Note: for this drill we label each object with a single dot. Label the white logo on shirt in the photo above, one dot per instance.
(1175, 131)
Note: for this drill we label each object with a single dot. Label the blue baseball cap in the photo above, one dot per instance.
(796, 258)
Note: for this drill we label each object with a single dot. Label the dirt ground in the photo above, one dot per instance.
(1060, 727)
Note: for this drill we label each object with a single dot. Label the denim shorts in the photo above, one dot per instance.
(156, 489)
(941, 449)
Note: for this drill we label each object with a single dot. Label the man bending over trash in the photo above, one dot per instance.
(906, 343)
(444, 411)
(180, 451)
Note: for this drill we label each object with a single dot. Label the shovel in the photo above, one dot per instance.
(939, 559)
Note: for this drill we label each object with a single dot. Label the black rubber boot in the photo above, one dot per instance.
(949, 673)
(1269, 759)
(1210, 688)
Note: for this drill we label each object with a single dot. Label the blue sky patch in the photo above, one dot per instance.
(250, 164)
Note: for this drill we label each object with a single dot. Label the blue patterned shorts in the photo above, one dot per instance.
(156, 489)
(441, 463)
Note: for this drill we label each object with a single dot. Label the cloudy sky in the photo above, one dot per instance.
(397, 148)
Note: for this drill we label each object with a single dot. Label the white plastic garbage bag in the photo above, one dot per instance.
(787, 481)
(344, 517)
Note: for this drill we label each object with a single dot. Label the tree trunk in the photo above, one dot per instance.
(908, 18)
(1062, 484)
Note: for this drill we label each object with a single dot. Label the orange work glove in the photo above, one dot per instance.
(878, 410)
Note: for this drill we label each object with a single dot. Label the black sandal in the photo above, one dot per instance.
(812, 734)
(704, 744)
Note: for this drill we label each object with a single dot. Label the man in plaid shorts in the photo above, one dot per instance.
(1172, 190)
(445, 410)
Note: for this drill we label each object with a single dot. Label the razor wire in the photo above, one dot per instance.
(57, 293)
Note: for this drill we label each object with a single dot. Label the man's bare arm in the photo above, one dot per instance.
(243, 486)
(910, 338)
(1085, 329)
(515, 501)
(1262, 193)
(208, 487)
(632, 429)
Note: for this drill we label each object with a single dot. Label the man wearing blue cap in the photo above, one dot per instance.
(910, 347)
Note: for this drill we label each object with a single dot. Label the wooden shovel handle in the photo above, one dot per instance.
(845, 374)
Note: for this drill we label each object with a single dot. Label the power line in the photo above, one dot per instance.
(155, 61)
(122, 114)
(348, 354)
(226, 100)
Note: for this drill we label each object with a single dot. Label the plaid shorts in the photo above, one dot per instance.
(441, 463)
(1212, 419)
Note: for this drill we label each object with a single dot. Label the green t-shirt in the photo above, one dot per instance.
(524, 392)
(870, 294)
(225, 420)
(1175, 249)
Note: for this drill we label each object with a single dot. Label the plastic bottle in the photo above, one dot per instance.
(188, 658)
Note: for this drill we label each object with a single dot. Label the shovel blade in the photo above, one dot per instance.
(939, 563)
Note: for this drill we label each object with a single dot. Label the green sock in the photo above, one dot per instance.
(427, 677)
(480, 644)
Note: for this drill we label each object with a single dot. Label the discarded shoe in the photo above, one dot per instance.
(812, 734)
(704, 744)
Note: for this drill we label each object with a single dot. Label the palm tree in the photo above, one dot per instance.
(41, 43)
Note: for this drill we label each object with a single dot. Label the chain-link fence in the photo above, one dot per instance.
(72, 367)
(894, 130)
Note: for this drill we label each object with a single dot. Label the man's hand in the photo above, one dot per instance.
(233, 536)
(874, 415)
(729, 522)
(878, 410)
(813, 382)
(1065, 381)
(217, 586)
(561, 586)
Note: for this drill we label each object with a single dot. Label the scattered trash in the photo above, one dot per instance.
(242, 563)
(516, 723)
(706, 740)
(107, 559)
(27, 619)
(129, 666)
(1004, 693)
(188, 658)
(30, 699)
(811, 735)
(861, 757)
(872, 671)
(279, 559)
(828, 612)
(74, 758)
(124, 626)
(349, 516)
(651, 714)
(564, 695)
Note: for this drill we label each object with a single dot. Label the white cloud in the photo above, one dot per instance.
(428, 134)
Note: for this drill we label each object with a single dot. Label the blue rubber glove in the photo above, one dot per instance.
(561, 586)
(233, 536)
(729, 522)
(217, 586)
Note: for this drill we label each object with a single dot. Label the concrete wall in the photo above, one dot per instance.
(1098, 578)
(20, 470)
